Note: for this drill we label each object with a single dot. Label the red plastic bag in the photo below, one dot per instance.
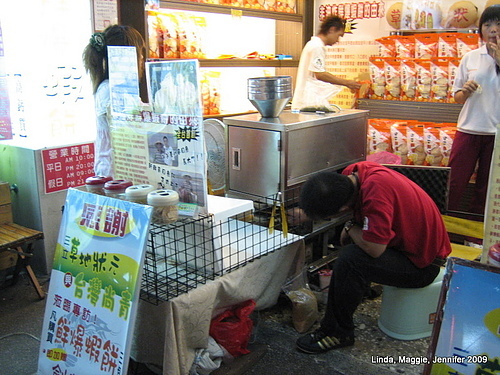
(232, 328)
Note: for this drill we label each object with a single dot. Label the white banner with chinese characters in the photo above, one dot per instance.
(94, 286)
(164, 146)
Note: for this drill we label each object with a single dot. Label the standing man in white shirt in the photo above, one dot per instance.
(314, 84)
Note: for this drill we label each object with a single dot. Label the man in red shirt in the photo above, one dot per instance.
(397, 238)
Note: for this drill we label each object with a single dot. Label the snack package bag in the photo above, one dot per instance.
(170, 38)
(199, 25)
(415, 140)
(447, 45)
(377, 77)
(426, 46)
(424, 80)
(213, 81)
(408, 79)
(155, 35)
(253, 4)
(446, 136)
(466, 43)
(405, 46)
(386, 46)
(379, 136)
(453, 64)
(440, 80)
(392, 79)
(398, 140)
(432, 145)
(270, 5)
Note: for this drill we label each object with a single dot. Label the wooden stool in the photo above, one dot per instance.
(12, 238)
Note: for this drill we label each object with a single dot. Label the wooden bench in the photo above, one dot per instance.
(13, 238)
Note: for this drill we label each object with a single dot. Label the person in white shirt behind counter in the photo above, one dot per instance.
(314, 84)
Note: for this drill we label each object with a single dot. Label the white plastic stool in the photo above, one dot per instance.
(408, 313)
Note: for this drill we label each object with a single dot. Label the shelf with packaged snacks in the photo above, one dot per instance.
(236, 62)
(233, 10)
(432, 31)
(411, 110)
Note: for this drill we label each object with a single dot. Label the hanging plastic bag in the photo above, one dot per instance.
(304, 303)
(232, 328)
(316, 96)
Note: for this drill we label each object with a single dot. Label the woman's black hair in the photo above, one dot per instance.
(492, 13)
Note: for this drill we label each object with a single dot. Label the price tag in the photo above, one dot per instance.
(236, 12)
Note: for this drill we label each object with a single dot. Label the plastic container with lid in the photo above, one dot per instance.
(164, 204)
(95, 184)
(115, 188)
(138, 193)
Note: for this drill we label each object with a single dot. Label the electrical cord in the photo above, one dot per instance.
(20, 334)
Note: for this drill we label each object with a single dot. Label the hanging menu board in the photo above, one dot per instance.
(94, 286)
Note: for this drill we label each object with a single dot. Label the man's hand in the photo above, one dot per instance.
(353, 85)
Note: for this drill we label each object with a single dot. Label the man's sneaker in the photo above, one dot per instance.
(320, 342)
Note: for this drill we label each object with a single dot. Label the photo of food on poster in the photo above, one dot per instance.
(162, 143)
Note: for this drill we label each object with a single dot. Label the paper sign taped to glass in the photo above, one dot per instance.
(162, 143)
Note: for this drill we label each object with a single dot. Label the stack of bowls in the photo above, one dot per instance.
(270, 95)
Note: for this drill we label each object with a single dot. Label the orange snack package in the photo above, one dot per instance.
(440, 79)
(379, 136)
(392, 79)
(426, 46)
(446, 136)
(408, 79)
(415, 140)
(405, 46)
(447, 45)
(377, 77)
(398, 140)
(155, 35)
(170, 47)
(453, 64)
(466, 43)
(386, 46)
(432, 145)
(424, 80)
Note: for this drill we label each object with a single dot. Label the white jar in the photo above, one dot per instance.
(116, 188)
(164, 204)
(138, 193)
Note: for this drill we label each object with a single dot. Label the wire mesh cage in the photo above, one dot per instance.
(186, 254)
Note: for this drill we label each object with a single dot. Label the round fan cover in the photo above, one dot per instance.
(215, 145)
